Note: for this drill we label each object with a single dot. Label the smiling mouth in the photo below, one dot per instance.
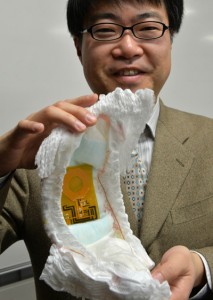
(128, 73)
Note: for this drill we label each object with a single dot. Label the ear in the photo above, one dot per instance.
(78, 44)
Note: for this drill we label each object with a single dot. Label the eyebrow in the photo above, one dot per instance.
(151, 14)
(96, 17)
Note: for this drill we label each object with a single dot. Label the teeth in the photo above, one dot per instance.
(129, 72)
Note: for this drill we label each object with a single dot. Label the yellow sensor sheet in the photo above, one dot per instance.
(79, 202)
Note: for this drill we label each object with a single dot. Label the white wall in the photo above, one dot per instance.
(190, 85)
(38, 66)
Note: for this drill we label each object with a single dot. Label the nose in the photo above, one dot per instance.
(127, 47)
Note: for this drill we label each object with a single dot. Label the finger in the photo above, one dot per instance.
(68, 113)
(84, 101)
(29, 127)
(169, 271)
(75, 118)
(19, 136)
(180, 286)
(175, 267)
(175, 262)
(78, 112)
(156, 274)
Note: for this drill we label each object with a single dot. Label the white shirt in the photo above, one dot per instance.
(146, 141)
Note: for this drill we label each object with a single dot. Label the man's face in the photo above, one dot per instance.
(127, 62)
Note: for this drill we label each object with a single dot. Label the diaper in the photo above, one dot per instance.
(94, 253)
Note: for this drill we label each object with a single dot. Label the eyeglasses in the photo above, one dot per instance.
(149, 30)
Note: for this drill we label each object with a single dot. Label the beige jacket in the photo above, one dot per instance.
(178, 206)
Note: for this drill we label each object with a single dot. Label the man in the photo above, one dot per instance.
(177, 219)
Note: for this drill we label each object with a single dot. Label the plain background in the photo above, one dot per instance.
(38, 66)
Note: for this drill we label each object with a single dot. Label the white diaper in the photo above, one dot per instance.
(94, 252)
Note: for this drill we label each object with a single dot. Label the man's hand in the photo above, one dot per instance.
(182, 269)
(19, 146)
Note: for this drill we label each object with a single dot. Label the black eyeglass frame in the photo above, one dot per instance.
(89, 30)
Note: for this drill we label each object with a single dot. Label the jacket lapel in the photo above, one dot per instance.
(171, 163)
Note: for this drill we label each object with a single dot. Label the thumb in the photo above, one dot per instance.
(174, 263)
(28, 126)
(23, 131)
(168, 270)
(158, 275)
(176, 268)
(161, 273)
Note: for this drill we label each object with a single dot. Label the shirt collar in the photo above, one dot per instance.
(152, 123)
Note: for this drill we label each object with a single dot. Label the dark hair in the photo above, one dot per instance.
(78, 12)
